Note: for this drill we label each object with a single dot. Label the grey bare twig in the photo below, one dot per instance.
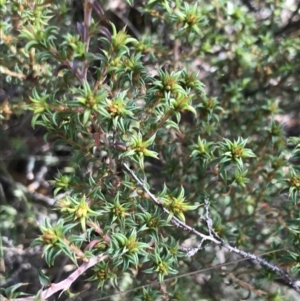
(214, 237)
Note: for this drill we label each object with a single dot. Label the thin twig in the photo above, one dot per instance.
(65, 284)
(88, 7)
(213, 237)
(183, 275)
(8, 72)
(174, 220)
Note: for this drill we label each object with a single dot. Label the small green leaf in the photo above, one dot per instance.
(44, 280)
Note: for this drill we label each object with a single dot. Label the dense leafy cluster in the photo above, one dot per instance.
(192, 102)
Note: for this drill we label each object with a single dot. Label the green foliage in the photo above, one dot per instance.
(192, 105)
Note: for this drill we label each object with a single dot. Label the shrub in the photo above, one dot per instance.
(180, 162)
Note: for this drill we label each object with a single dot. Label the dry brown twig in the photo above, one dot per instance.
(6, 71)
(65, 284)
